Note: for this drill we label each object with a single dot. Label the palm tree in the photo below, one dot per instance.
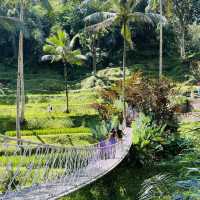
(12, 24)
(155, 5)
(60, 48)
(92, 43)
(121, 12)
(20, 100)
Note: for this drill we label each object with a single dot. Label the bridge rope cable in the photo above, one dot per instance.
(32, 170)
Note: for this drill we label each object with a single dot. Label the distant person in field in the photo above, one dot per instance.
(50, 108)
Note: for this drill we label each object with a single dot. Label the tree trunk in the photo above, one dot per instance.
(19, 79)
(94, 57)
(66, 88)
(161, 43)
(124, 78)
(18, 134)
(182, 45)
(21, 66)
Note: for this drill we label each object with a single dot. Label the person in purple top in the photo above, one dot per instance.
(102, 145)
(112, 141)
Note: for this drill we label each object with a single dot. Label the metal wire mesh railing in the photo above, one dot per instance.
(31, 170)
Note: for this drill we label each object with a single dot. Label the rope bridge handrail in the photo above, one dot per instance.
(30, 170)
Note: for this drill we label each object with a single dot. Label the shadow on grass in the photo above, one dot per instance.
(7, 123)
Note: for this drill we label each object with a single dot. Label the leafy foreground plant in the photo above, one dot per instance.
(100, 130)
(5, 180)
(155, 187)
(152, 142)
(147, 138)
(149, 96)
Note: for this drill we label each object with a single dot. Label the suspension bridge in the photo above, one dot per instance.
(36, 171)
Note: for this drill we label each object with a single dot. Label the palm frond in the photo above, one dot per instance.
(155, 186)
(102, 25)
(156, 18)
(139, 17)
(73, 40)
(11, 24)
(49, 48)
(63, 37)
(59, 39)
(46, 58)
(59, 47)
(75, 57)
(98, 17)
(114, 5)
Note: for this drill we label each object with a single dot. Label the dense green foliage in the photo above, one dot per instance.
(97, 30)
(70, 15)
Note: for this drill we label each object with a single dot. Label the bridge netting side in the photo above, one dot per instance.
(31, 170)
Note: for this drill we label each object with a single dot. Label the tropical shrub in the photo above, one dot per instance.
(100, 130)
(152, 142)
(180, 103)
(35, 123)
(147, 138)
(92, 82)
(150, 96)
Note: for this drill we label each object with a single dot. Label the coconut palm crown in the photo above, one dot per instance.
(60, 48)
(120, 12)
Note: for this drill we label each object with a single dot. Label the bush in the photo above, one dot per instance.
(50, 131)
(149, 96)
(100, 130)
(92, 82)
(7, 99)
(35, 123)
(152, 142)
(147, 138)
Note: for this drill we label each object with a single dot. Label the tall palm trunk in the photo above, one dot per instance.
(182, 45)
(18, 134)
(66, 88)
(124, 77)
(21, 66)
(94, 55)
(161, 43)
(19, 78)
